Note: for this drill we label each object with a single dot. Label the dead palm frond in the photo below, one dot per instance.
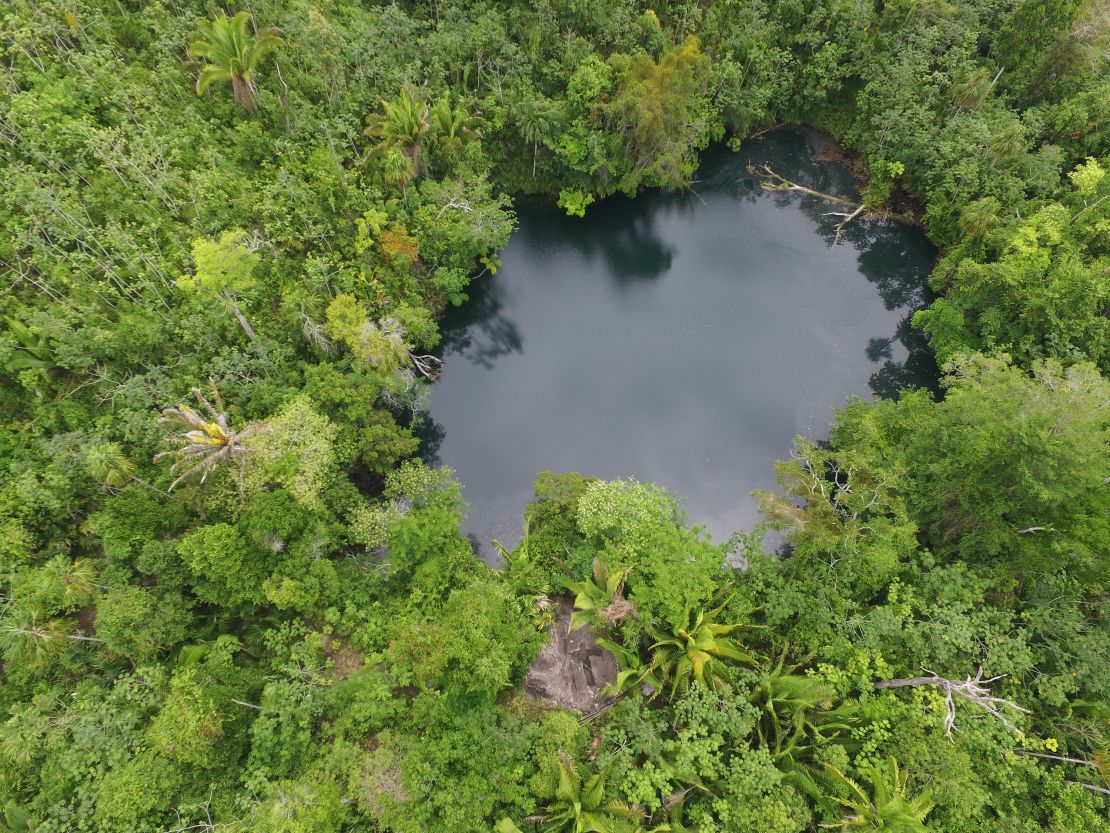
(208, 442)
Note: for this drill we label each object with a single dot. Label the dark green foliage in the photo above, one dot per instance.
(296, 638)
(139, 624)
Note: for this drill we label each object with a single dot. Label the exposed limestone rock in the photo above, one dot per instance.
(571, 669)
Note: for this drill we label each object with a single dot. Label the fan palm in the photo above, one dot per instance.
(600, 596)
(26, 641)
(70, 582)
(403, 124)
(1007, 143)
(396, 169)
(889, 807)
(980, 216)
(700, 652)
(580, 807)
(972, 90)
(454, 123)
(207, 444)
(233, 54)
(108, 465)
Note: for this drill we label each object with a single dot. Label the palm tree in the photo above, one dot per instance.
(632, 670)
(13, 818)
(527, 582)
(454, 123)
(403, 123)
(889, 808)
(580, 807)
(27, 642)
(32, 350)
(699, 652)
(602, 596)
(796, 713)
(233, 54)
(535, 120)
(207, 444)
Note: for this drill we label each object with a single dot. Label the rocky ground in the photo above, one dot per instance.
(571, 668)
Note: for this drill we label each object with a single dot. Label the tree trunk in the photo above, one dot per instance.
(247, 328)
(241, 87)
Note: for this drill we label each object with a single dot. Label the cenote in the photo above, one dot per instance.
(682, 339)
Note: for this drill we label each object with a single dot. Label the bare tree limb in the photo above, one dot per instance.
(1055, 757)
(771, 181)
(1090, 787)
(974, 690)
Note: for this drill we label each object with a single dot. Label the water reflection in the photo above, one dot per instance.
(917, 370)
(623, 236)
(478, 330)
(683, 339)
(894, 259)
(431, 435)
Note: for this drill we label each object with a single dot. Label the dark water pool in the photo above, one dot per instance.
(682, 339)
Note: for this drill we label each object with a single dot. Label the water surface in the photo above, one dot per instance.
(682, 339)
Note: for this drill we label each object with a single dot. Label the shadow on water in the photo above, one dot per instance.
(918, 370)
(431, 435)
(896, 263)
(620, 231)
(478, 330)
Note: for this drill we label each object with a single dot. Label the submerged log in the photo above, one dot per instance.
(771, 181)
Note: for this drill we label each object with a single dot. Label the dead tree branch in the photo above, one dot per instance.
(1055, 757)
(771, 181)
(429, 366)
(1090, 787)
(974, 690)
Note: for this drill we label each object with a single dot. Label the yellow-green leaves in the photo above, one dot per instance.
(222, 265)
(233, 54)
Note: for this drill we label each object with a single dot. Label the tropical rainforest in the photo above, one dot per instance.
(233, 599)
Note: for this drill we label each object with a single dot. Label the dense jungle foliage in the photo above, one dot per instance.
(232, 601)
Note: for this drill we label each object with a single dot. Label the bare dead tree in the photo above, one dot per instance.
(771, 181)
(974, 690)
(429, 366)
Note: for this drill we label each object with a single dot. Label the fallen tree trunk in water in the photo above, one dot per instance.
(771, 181)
